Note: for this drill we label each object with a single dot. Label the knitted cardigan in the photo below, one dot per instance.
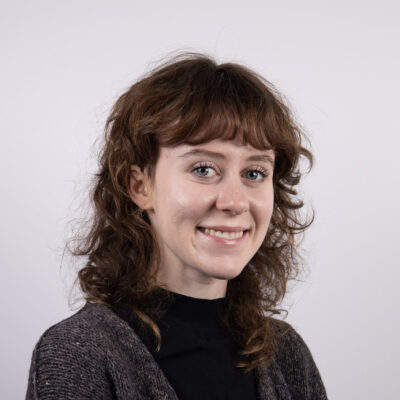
(94, 354)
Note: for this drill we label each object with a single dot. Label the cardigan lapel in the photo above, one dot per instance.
(149, 374)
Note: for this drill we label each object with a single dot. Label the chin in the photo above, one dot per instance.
(227, 275)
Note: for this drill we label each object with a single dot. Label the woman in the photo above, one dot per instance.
(190, 248)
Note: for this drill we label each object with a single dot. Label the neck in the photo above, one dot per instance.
(191, 284)
(197, 291)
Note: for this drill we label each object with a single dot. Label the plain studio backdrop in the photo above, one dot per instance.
(64, 63)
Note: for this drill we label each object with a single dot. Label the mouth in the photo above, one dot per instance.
(223, 234)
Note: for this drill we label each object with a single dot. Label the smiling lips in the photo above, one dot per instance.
(232, 234)
(225, 235)
(222, 228)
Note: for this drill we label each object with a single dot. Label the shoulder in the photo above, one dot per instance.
(296, 364)
(70, 357)
(79, 333)
(291, 348)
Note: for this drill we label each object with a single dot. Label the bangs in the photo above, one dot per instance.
(226, 103)
(233, 123)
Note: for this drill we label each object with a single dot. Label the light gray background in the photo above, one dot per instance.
(64, 63)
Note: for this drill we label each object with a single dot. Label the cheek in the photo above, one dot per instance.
(180, 203)
(263, 208)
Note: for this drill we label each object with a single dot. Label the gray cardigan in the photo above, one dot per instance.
(94, 354)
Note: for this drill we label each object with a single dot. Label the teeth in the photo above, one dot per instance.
(225, 235)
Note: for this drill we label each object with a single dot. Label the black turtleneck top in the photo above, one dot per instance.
(198, 355)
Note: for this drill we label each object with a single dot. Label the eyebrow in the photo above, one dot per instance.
(259, 157)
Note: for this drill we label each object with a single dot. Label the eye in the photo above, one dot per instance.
(258, 171)
(202, 170)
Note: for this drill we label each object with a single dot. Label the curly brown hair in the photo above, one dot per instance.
(188, 94)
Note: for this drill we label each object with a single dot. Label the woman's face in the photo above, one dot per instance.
(218, 185)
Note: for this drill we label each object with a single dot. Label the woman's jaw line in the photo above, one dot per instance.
(201, 290)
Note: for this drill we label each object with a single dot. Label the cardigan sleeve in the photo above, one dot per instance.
(298, 367)
(67, 364)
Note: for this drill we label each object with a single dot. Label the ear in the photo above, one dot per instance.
(139, 188)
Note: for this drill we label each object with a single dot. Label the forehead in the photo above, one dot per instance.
(220, 150)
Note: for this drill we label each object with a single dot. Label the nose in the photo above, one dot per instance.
(232, 196)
